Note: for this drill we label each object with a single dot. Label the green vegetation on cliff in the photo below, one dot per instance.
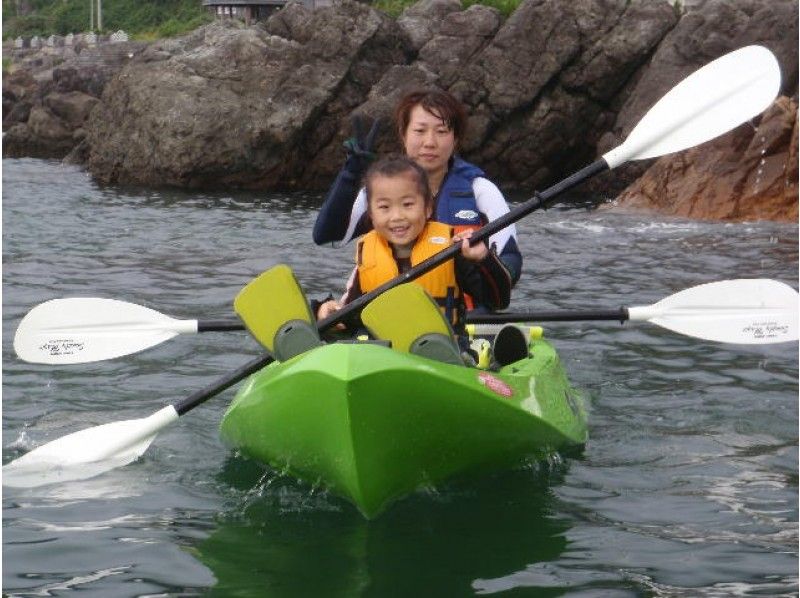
(395, 7)
(146, 19)
(143, 19)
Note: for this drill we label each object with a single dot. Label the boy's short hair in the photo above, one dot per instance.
(397, 164)
(441, 104)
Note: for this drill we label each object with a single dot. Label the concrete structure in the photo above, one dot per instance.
(246, 10)
(252, 10)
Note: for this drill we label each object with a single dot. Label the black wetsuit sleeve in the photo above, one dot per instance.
(488, 282)
(512, 260)
(334, 215)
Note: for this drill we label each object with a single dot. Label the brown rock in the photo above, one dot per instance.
(51, 109)
(792, 169)
(17, 112)
(72, 107)
(548, 89)
(747, 174)
(550, 74)
(705, 33)
(43, 123)
(423, 19)
(89, 79)
(237, 106)
(461, 36)
(43, 136)
(19, 88)
(18, 84)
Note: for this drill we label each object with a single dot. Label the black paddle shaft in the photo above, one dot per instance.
(615, 315)
(218, 325)
(536, 202)
(201, 396)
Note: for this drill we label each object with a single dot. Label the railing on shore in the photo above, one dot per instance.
(70, 40)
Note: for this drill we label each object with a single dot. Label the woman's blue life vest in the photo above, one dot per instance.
(456, 204)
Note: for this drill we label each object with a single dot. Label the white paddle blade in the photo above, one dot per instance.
(711, 101)
(85, 454)
(82, 329)
(745, 311)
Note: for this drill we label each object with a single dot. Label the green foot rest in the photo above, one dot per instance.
(408, 317)
(274, 309)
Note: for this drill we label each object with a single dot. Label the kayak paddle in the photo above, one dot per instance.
(709, 102)
(86, 329)
(83, 329)
(744, 311)
(714, 99)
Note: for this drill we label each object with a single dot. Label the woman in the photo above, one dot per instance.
(430, 124)
(400, 204)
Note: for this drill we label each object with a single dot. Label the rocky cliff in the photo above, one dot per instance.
(748, 174)
(548, 89)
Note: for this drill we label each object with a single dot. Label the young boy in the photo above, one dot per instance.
(399, 204)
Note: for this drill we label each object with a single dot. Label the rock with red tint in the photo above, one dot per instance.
(748, 174)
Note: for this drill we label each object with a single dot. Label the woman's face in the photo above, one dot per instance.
(428, 141)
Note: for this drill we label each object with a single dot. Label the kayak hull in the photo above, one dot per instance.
(372, 424)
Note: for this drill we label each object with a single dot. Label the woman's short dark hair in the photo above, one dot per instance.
(441, 104)
(397, 164)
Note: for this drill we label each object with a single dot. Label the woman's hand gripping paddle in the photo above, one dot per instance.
(715, 99)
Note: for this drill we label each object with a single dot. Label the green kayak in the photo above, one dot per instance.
(373, 424)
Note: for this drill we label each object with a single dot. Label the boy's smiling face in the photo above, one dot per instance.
(398, 210)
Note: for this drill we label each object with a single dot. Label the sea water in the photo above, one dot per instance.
(686, 487)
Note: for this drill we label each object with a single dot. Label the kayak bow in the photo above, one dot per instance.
(373, 424)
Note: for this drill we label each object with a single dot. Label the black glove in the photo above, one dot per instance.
(359, 147)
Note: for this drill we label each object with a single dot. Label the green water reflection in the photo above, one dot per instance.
(284, 541)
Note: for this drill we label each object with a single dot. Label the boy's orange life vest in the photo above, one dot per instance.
(376, 265)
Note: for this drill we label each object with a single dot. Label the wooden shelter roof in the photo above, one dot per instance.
(243, 2)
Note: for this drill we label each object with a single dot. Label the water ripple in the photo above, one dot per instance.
(686, 487)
